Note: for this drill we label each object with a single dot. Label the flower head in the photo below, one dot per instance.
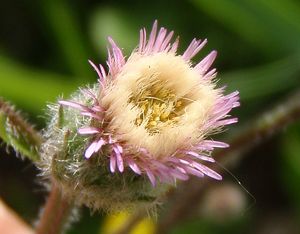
(154, 111)
(149, 118)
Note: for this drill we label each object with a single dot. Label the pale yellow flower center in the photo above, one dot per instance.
(159, 102)
(158, 107)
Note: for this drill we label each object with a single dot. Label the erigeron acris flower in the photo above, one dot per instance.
(150, 116)
(155, 109)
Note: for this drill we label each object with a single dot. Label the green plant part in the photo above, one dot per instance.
(16, 132)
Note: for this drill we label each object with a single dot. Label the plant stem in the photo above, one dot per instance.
(55, 214)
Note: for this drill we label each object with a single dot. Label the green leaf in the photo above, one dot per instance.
(287, 11)
(290, 163)
(3, 133)
(63, 23)
(33, 88)
(18, 133)
(267, 25)
(265, 80)
(110, 21)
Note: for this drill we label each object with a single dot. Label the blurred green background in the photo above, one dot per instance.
(44, 48)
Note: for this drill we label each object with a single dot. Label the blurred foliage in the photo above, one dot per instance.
(114, 222)
(32, 88)
(291, 164)
(196, 226)
(45, 45)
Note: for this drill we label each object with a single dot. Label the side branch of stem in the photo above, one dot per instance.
(55, 214)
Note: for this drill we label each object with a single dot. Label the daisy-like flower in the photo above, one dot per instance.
(153, 112)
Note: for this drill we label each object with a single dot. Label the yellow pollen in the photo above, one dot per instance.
(153, 123)
(158, 107)
(178, 104)
(165, 115)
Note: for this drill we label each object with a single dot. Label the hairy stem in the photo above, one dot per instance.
(55, 214)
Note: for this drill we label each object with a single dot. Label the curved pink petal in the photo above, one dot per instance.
(88, 130)
(120, 163)
(151, 177)
(112, 163)
(90, 150)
